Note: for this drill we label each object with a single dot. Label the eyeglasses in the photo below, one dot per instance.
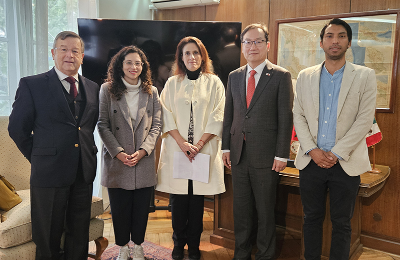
(248, 44)
(75, 52)
(131, 63)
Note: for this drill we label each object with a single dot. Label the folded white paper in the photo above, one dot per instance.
(197, 170)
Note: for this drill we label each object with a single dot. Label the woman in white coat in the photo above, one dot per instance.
(193, 103)
(129, 125)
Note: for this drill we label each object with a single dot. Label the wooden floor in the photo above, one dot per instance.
(159, 231)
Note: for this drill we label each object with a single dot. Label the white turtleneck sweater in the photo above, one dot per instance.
(132, 99)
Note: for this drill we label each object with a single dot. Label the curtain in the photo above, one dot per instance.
(24, 24)
(33, 51)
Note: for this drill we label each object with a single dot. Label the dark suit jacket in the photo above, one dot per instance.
(267, 123)
(44, 129)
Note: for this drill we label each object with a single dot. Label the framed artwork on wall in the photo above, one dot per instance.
(375, 44)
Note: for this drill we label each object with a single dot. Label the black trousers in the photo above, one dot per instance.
(254, 188)
(54, 210)
(343, 189)
(187, 218)
(130, 212)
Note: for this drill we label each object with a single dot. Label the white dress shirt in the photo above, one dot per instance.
(65, 83)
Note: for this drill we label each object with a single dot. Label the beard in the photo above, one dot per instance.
(336, 56)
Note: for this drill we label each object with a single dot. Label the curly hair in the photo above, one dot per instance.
(115, 72)
(179, 65)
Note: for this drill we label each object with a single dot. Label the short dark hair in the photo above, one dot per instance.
(261, 26)
(338, 21)
(65, 34)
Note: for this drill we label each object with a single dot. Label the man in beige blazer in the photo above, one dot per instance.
(333, 111)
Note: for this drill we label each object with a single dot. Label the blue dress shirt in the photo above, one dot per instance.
(329, 89)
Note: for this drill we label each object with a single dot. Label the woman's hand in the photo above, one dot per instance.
(133, 159)
(200, 143)
(138, 155)
(126, 159)
(189, 150)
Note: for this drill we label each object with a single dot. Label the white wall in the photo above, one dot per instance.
(125, 9)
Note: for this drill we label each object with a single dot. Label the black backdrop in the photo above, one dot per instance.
(105, 37)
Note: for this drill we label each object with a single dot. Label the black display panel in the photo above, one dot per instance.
(103, 38)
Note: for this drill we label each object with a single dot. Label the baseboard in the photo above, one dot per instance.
(382, 243)
(222, 241)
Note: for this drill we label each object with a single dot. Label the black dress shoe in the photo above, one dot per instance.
(194, 254)
(177, 253)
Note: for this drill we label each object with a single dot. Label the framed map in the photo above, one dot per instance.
(375, 44)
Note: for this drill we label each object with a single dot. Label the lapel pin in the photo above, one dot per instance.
(268, 74)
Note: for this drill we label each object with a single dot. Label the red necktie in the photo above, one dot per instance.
(251, 87)
(72, 90)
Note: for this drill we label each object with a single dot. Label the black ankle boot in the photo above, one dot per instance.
(194, 254)
(177, 253)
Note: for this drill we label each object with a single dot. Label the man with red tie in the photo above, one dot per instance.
(256, 140)
(52, 123)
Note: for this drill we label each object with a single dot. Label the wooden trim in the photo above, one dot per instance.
(395, 64)
(383, 243)
(331, 16)
(357, 252)
(222, 241)
(101, 245)
(356, 14)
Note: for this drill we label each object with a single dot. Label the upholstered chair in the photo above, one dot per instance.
(15, 227)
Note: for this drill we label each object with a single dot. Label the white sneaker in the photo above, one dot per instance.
(137, 253)
(123, 253)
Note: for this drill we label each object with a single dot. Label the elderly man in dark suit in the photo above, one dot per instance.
(256, 140)
(52, 123)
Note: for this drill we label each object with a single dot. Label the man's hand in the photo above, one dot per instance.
(335, 159)
(278, 166)
(226, 158)
(323, 159)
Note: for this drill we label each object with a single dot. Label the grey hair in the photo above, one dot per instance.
(65, 34)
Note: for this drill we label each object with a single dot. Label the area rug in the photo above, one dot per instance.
(151, 252)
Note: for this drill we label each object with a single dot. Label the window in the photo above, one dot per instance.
(62, 16)
(4, 86)
(24, 51)
(8, 72)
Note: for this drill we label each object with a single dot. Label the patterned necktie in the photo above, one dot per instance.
(72, 90)
(251, 87)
